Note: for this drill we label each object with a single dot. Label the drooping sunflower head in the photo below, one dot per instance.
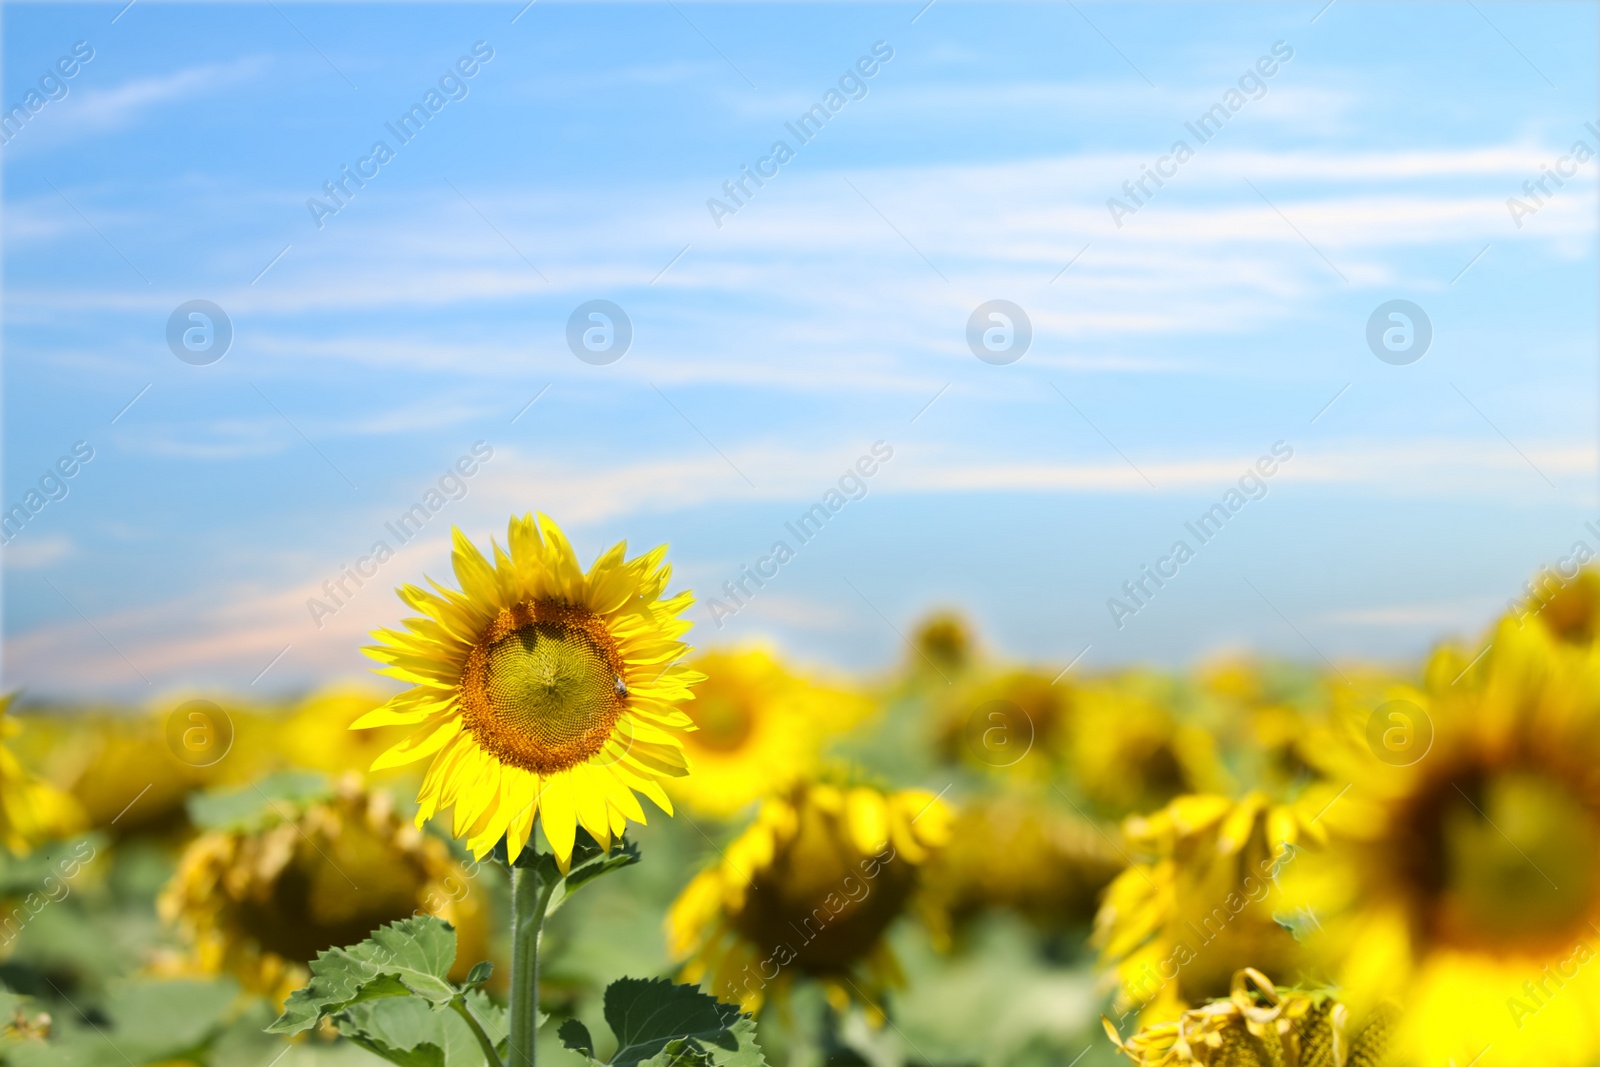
(31, 809)
(540, 688)
(1259, 1025)
(1128, 752)
(1014, 853)
(1201, 900)
(1014, 722)
(758, 729)
(259, 901)
(943, 640)
(1463, 872)
(810, 888)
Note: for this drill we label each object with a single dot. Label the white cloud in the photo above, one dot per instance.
(37, 553)
(226, 636)
(88, 111)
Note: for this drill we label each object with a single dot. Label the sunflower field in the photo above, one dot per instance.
(968, 860)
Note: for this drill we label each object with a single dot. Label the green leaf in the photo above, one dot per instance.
(478, 975)
(412, 956)
(410, 1033)
(273, 799)
(495, 1020)
(660, 1024)
(575, 1036)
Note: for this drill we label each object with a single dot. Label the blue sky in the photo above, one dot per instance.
(828, 312)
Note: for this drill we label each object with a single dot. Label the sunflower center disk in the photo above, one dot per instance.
(724, 722)
(542, 690)
(1513, 862)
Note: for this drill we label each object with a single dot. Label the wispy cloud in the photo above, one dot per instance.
(88, 111)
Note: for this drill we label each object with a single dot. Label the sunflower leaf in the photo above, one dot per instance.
(576, 1036)
(478, 975)
(410, 1033)
(404, 958)
(659, 1024)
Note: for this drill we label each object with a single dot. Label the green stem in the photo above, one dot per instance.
(529, 899)
(459, 1005)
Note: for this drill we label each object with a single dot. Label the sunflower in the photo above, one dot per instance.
(1013, 853)
(540, 689)
(810, 888)
(1127, 752)
(1570, 609)
(1259, 1025)
(317, 735)
(31, 809)
(260, 903)
(944, 643)
(131, 772)
(1015, 721)
(1462, 876)
(758, 729)
(1202, 902)
(1261, 715)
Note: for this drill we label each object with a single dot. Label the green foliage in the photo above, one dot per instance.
(47, 867)
(408, 1032)
(143, 1022)
(275, 798)
(659, 1024)
(411, 957)
(389, 994)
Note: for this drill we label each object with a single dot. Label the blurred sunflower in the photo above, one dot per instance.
(758, 729)
(260, 903)
(1569, 610)
(31, 809)
(125, 769)
(1261, 717)
(1200, 904)
(1015, 721)
(810, 888)
(944, 643)
(317, 734)
(1013, 853)
(1463, 873)
(540, 689)
(1129, 753)
(1259, 1025)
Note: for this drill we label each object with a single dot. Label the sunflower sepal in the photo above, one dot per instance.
(658, 1023)
(590, 860)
